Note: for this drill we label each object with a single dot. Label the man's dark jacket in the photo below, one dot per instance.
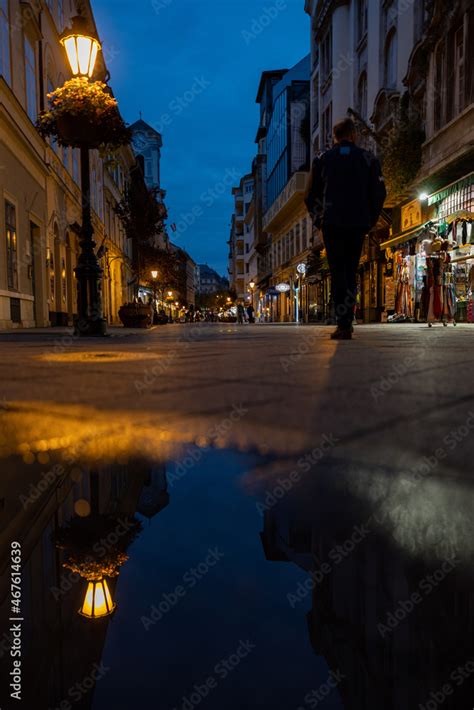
(347, 189)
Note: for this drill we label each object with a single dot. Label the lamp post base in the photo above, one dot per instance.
(90, 328)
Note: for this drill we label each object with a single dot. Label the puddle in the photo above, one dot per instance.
(219, 579)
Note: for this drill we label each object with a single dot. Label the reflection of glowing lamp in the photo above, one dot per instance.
(98, 601)
(82, 47)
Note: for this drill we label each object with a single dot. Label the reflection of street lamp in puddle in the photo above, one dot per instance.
(98, 601)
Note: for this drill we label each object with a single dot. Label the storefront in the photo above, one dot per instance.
(429, 268)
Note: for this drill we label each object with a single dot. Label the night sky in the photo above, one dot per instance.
(193, 67)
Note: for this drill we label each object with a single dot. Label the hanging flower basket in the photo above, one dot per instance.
(96, 547)
(84, 113)
(77, 132)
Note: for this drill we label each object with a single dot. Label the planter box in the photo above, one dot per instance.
(136, 315)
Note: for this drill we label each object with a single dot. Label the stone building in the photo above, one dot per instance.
(40, 194)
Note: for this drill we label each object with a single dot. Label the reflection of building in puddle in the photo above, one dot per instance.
(397, 626)
(62, 649)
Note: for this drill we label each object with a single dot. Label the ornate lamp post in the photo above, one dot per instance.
(170, 301)
(82, 49)
(252, 289)
(154, 276)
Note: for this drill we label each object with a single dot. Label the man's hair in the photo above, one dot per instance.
(344, 129)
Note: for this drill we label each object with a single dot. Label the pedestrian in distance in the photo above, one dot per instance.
(345, 199)
(251, 313)
(240, 313)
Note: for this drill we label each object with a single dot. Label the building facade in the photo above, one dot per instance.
(208, 280)
(286, 218)
(241, 239)
(403, 71)
(40, 193)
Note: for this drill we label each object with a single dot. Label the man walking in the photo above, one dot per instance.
(345, 199)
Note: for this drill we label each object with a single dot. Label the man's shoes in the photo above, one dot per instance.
(342, 334)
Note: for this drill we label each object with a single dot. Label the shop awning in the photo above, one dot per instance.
(403, 237)
(450, 189)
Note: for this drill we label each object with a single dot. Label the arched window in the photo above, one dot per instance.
(362, 95)
(362, 17)
(390, 60)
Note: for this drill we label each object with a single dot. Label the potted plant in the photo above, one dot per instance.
(84, 113)
(136, 315)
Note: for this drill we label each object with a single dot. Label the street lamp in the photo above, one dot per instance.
(154, 276)
(82, 47)
(170, 301)
(252, 288)
(98, 601)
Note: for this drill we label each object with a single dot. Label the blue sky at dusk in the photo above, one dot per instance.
(192, 67)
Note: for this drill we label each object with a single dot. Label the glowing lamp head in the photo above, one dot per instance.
(170, 294)
(81, 46)
(423, 196)
(98, 601)
(252, 285)
(154, 274)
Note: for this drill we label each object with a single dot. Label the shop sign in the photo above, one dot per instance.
(272, 291)
(283, 288)
(411, 215)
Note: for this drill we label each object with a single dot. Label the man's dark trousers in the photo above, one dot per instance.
(344, 248)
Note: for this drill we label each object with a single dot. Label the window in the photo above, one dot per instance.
(315, 102)
(390, 63)
(304, 235)
(4, 41)
(362, 95)
(362, 16)
(75, 166)
(439, 86)
(60, 15)
(30, 76)
(12, 246)
(459, 70)
(327, 127)
(326, 55)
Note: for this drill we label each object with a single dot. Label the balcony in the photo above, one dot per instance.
(287, 201)
(449, 152)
